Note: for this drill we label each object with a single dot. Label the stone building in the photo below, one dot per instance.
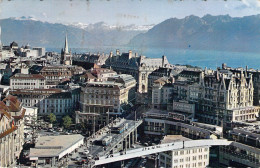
(102, 98)
(11, 130)
(162, 93)
(27, 81)
(27, 51)
(57, 101)
(137, 66)
(97, 74)
(89, 60)
(55, 75)
(226, 97)
(256, 80)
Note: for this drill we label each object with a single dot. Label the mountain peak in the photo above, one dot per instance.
(221, 32)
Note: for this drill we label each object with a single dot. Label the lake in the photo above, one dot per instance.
(202, 58)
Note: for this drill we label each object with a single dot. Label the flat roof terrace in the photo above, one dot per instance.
(55, 146)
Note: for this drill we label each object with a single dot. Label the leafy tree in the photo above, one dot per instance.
(52, 118)
(67, 121)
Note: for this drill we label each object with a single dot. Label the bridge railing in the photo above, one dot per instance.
(159, 148)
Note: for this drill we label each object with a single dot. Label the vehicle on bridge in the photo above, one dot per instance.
(107, 140)
(120, 129)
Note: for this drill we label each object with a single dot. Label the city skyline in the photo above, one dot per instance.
(123, 13)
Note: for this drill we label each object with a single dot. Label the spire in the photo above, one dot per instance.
(66, 47)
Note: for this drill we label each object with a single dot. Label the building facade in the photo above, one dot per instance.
(11, 130)
(27, 81)
(184, 158)
(54, 75)
(100, 99)
(137, 66)
(227, 97)
(57, 101)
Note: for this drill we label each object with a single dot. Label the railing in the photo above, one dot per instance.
(159, 148)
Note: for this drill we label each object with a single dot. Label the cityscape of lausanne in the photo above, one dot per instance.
(129, 84)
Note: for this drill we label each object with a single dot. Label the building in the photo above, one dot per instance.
(248, 135)
(162, 93)
(183, 158)
(50, 149)
(97, 74)
(66, 57)
(27, 81)
(14, 45)
(11, 130)
(89, 60)
(158, 123)
(104, 98)
(256, 80)
(30, 116)
(57, 76)
(226, 97)
(137, 66)
(54, 75)
(239, 155)
(57, 101)
(27, 51)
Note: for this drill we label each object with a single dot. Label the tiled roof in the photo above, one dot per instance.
(27, 76)
(14, 103)
(9, 131)
(3, 112)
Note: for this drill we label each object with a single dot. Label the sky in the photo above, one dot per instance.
(123, 12)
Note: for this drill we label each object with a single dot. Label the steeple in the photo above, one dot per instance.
(66, 47)
(0, 38)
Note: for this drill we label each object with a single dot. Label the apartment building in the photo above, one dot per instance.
(162, 93)
(11, 130)
(57, 101)
(55, 75)
(227, 97)
(103, 97)
(194, 157)
(27, 81)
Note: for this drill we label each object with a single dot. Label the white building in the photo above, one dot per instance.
(193, 157)
(27, 81)
(30, 115)
(57, 101)
(11, 130)
(29, 52)
(51, 149)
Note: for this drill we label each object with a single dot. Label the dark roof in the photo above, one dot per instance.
(13, 44)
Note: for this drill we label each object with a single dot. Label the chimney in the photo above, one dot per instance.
(117, 52)
(129, 54)
(224, 66)
(163, 60)
(110, 56)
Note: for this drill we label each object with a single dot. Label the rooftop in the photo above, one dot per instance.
(174, 138)
(52, 146)
(27, 76)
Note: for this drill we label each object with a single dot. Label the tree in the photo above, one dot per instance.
(67, 121)
(52, 118)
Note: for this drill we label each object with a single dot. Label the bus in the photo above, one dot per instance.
(120, 129)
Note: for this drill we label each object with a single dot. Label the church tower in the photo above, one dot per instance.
(0, 44)
(66, 58)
